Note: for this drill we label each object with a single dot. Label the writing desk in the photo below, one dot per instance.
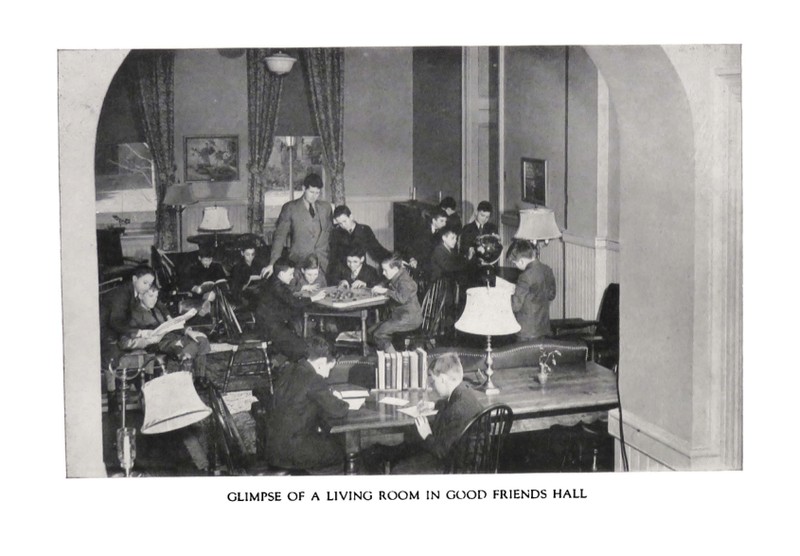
(357, 308)
(574, 393)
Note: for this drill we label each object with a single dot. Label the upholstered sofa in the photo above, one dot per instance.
(361, 370)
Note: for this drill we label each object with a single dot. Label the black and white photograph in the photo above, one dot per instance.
(497, 278)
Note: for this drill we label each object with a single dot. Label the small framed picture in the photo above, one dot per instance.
(211, 158)
(534, 181)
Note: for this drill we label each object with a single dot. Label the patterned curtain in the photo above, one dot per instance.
(154, 93)
(324, 71)
(263, 99)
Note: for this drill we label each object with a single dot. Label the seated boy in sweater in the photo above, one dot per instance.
(406, 312)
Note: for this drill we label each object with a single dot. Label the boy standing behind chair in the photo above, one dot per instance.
(536, 288)
(406, 311)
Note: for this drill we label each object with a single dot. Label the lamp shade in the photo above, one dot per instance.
(537, 224)
(171, 403)
(488, 313)
(215, 219)
(178, 195)
(280, 63)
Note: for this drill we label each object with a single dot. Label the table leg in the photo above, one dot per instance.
(364, 332)
(352, 462)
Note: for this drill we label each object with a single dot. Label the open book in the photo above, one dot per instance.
(174, 323)
(208, 286)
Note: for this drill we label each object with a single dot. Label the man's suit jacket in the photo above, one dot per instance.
(308, 235)
(470, 233)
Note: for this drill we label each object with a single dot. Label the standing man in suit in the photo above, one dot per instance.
(307, 222)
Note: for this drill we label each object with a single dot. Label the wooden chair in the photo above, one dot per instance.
(239, 342)
(438, 314)
(478, 448)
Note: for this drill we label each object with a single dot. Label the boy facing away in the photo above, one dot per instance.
(536, 288)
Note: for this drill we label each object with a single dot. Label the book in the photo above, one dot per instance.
(175, 323)
(422, 367)
(413, 364)
(351, 390)
(406, 373)
(380, 378)
(208, 286)
(349, 337)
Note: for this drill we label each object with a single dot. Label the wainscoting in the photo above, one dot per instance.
(590, 266)
(648, 447)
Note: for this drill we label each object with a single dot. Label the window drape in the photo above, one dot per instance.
(324, 73)
(154, 93)
(263, 99)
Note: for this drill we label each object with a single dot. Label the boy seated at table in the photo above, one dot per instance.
(279, 313)
(358, 273)
(535, 289)
(302, 401)
(456, 407)
(308, 278)
(199, 279)
(184, 345)
(406, 313)
(245, 277)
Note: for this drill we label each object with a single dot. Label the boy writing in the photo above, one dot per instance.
(301, 403)
(536, 288)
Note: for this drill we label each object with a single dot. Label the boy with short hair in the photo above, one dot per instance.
(203, 270)
(358, 274)
(446, 262)
(241, 283)
(449, 206)
(279, 312)
(406, 311)
(535, 289)
(308, 278)
(478, 227)
(456, 407)
(296, 419)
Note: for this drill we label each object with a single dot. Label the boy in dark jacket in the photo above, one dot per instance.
(536, 288)
(279, 312)
(296, 419)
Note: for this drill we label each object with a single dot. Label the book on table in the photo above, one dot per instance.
(351, 390)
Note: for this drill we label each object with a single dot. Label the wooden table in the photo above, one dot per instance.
(327, 307)
(574, 393)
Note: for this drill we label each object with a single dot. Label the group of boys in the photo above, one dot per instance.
(279, 291)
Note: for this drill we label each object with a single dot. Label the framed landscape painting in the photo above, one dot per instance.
(211, 158)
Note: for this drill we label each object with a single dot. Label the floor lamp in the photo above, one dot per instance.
(179, 196)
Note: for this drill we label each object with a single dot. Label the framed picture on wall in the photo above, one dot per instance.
(534, 181)
(211, 158)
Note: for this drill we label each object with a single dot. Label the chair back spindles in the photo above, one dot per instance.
(478, 448)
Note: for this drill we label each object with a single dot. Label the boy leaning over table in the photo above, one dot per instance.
(456, 407)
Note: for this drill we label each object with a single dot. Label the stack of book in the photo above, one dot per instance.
(405, 370)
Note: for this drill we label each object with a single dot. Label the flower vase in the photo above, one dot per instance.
(542, 377)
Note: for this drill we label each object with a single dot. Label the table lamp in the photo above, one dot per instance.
(537, 225)
(215, 219)
(488, 313)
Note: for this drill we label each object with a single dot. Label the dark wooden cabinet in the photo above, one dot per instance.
(410, 220)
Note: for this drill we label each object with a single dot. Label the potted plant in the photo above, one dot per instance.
(547, 360)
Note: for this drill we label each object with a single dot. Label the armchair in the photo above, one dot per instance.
(601, 335)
